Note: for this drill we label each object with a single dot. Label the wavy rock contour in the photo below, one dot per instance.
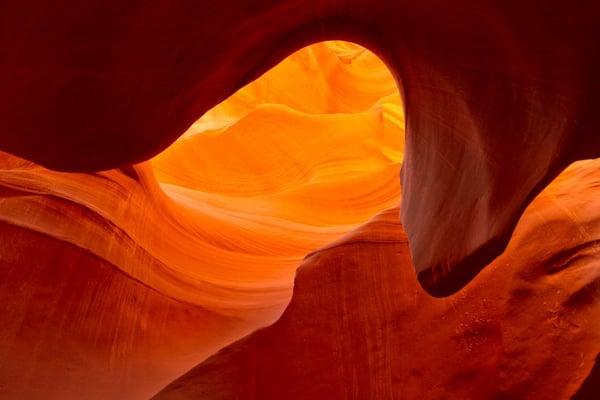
(528, 327)
(114, 283)
(500, 96)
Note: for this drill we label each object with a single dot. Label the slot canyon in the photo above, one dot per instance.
(286, 199)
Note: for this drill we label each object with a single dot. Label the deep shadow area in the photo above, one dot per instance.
(590, 388)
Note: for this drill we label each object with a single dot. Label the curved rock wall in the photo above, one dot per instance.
(500, 95)
(528, 327)
(114, 283)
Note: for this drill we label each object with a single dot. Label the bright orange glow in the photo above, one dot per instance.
(219, 222)
(287, 164)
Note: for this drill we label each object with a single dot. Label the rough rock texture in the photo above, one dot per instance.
(360, 327)
(500, 95)
(114, 283)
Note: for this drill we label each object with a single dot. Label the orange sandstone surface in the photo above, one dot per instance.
(500, 95)
(360, 326)
(114, 283)
(124, 283)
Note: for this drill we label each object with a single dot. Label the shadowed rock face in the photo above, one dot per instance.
(500, 96)
(360, 327)
(590, 389)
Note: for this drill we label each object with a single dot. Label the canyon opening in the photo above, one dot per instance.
(205, 200)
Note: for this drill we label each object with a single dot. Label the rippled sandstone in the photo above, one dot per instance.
(500, 96)
(114, 283)
(359, 325)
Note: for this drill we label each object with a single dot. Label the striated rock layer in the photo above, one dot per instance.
(360, 327)
(500, 95)
(114, 283)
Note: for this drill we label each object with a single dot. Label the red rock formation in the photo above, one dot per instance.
(500, 95)
(76, 327)
(360, 327)
(114, 283)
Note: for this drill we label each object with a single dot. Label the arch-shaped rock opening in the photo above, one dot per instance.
(501, 84)
(500, 97)
(198, 246)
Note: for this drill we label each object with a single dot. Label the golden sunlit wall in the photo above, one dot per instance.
(199, 246)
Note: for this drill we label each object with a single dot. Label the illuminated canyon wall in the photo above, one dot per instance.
(191, 199)
(528, 327)
(115, 283)
(501, 96)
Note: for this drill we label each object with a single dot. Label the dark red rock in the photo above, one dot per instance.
(590, 389)
(500, 96)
